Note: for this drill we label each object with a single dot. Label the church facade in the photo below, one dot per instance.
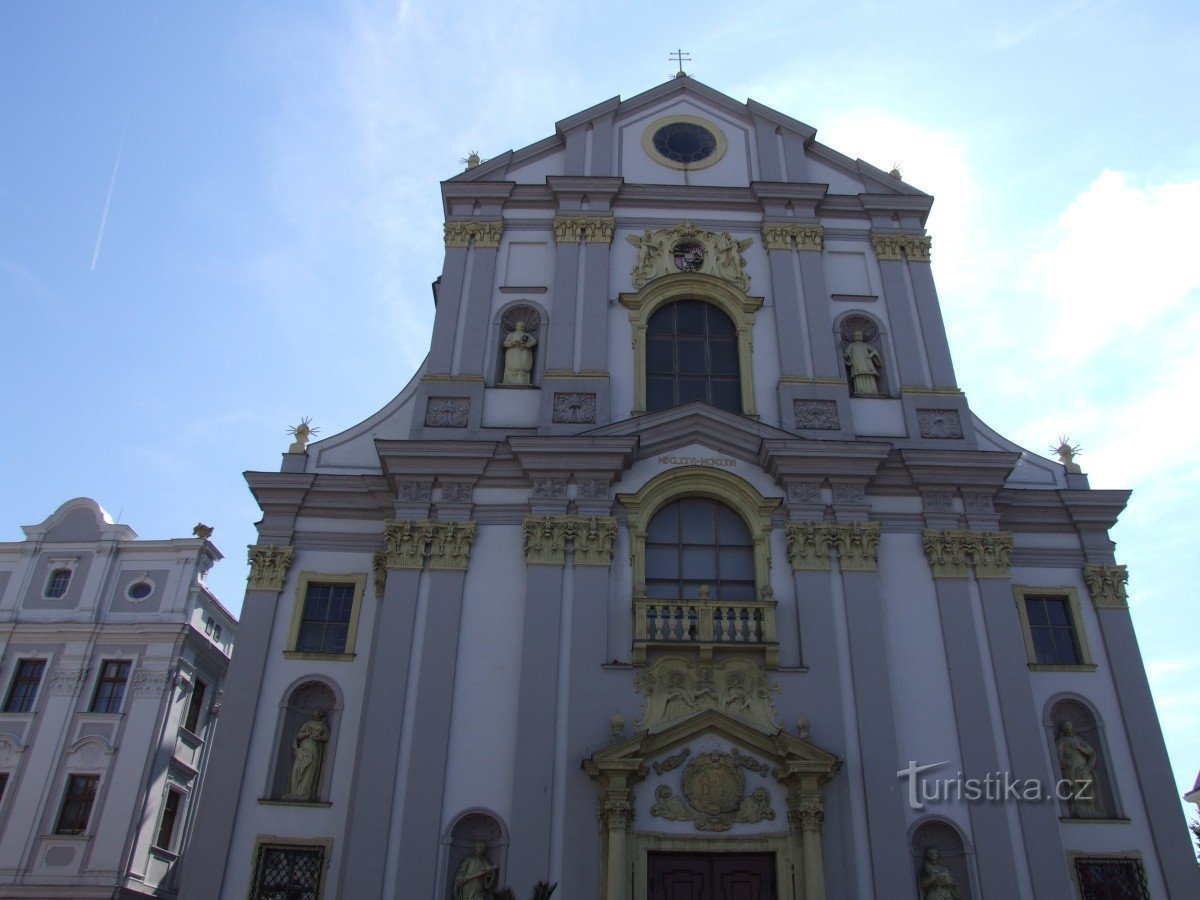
(682, 564)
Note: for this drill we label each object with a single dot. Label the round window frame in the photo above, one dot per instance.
(141, 579)
(712, 159)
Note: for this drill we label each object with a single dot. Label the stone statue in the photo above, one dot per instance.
(518, 355)
(476, 876)
(308, 758)
(937, 882)
(679, 699)
(303, 434)
(864, 362)
(1077, 760)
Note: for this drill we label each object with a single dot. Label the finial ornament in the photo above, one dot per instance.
(202, 531)
(303, 434)
(617, 725)
(472, 159)
(895, 173)
(680, 57)
(1067, 453)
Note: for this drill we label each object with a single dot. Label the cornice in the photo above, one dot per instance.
(959, 468)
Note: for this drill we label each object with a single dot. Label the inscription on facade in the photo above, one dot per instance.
(724, 462)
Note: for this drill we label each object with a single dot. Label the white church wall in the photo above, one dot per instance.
(511, 407)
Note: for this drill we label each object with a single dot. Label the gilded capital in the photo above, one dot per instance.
(788, 236)
(593, 537)
(379, 566)
(408, 541)
(546, 539)
(914, 247)
(1106, 584)
(269, 566)
(577, 229)
(404, 543)
(482, 234)
(950, 552)
(808, 546)
(450, 545)
(857, 545)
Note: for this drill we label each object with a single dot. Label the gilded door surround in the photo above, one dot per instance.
(801, 767)
(739, 306)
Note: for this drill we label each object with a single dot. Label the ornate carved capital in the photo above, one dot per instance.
(950, 552)
(408, 541)
(546, 539)
(269, 566)
(807, 815)
(450, 545)
(616, 814)
(404, 543)
(857, 545)
(808, 546)
(686, 248)
(379, 565)
(483, 234)
(913, 247)
(577, 229)
(789, 236)
(1106, 584)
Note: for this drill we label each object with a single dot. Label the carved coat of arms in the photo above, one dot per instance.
(686, 248)
(714, 793)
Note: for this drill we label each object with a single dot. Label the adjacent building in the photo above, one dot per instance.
(683, 567)
(113, 656)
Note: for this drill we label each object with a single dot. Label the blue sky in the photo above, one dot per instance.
(218, 218)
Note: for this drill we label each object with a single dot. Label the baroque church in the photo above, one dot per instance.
(683, 568)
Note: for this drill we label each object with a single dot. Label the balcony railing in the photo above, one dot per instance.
(705, 624)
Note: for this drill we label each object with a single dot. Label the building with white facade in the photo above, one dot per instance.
(113, 656)
(678, 556)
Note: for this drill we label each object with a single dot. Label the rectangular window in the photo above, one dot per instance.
(208, 626)
(166, 825)
(287, 870)
(1053, 632)
(110, 689)
(57, 583)
(25, 685)
(77, 804)
(326, 619)
(216, 635)
(195, 705)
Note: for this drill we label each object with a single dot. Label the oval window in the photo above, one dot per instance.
(140, 590)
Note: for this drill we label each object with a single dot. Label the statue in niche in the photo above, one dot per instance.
(476, 876)
(937, 882)
(1077, 760)
(518, 355)
(864, 363)
(308, 758)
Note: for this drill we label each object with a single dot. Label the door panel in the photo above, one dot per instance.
(711, 876)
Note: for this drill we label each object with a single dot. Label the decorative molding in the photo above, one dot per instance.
(149, 684)
(714, 795)
(816, 415)
(482, 234)
(447, 412)
(675, 688)
(808, 492)
(379, 565)
(414, 491)
(589, 229)
(593, 488)
(978, 503)
(546, 539)
(269, 566)
(408, 541)
(456, 492)
(550, 488)
(574, 408)
(912, 247)
(846, 493)
(799, 237)
(65, 682)
(809, 545)
(950, 552)
(1106, 584)
(938, 502)
(669, 763)
(688, 249)
(940, 424)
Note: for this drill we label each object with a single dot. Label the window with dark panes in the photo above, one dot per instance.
(1054, 640)
(166, 825)
(110, 689)
(287, 872)
(57, 583)
(25, 685)
(692, 354)
(696, 542)
(77, 804)
(1109, 878)
(191, 721)
(3, 784)
(326, 619)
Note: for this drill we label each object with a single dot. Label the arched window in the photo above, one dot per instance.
(694, 543)
(1081, 759)
(940, 860)
(692, 354)
(304, 752)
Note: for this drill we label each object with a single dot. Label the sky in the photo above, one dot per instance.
(218, 218)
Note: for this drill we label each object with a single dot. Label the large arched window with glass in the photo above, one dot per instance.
(692, 354)
(697, 543)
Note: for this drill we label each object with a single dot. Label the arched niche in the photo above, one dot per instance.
(1084, 742)
(875, 335)
(953, 856)
(299, 706)
(534, 319)
(470, 826)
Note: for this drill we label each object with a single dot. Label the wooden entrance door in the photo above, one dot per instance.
(711, 876)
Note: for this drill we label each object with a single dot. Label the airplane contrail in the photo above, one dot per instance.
(112, 183)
